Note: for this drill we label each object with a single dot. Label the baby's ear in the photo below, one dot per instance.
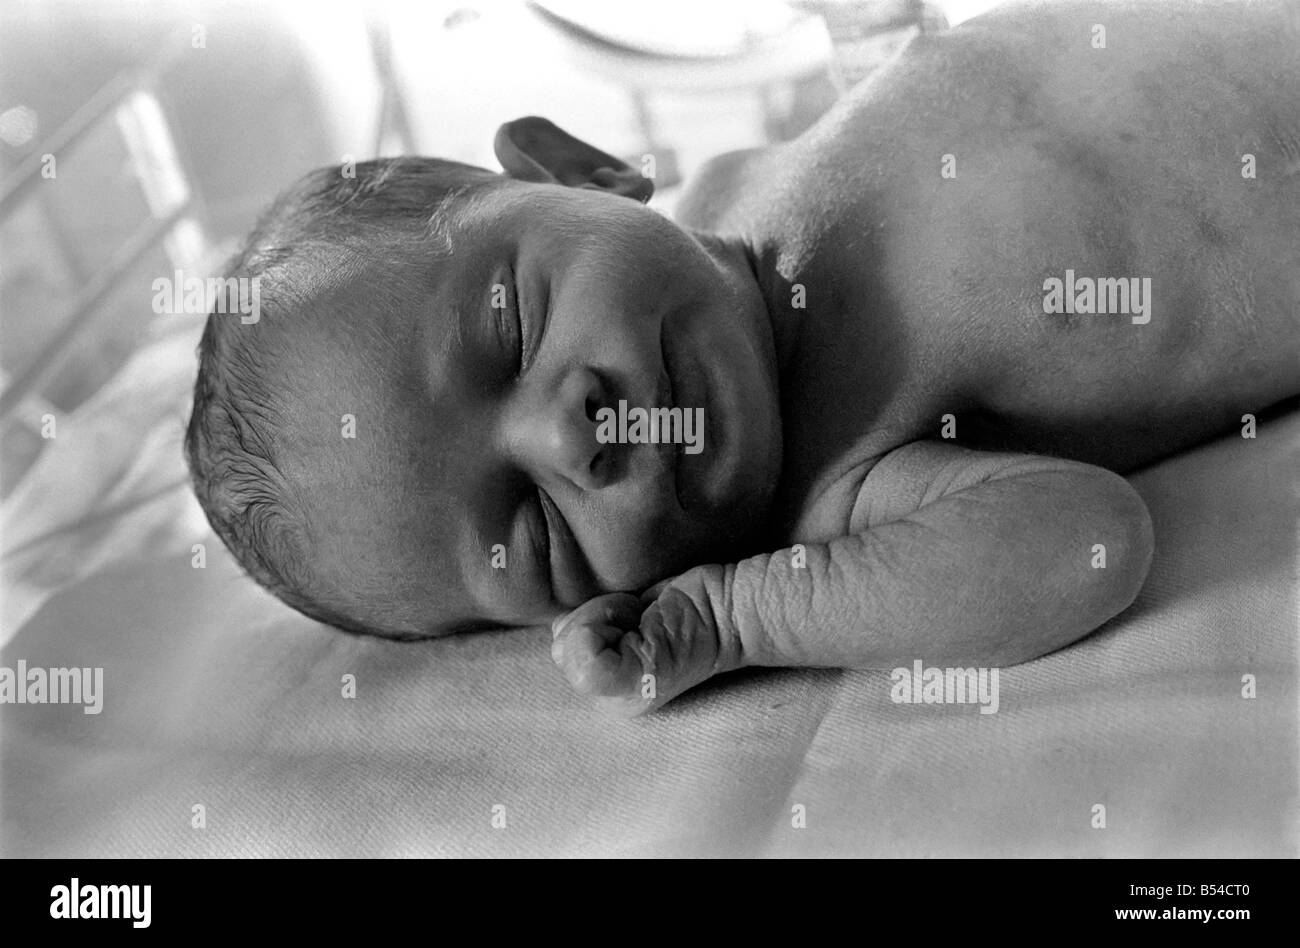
(535, 149)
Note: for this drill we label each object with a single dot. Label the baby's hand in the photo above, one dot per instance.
(634, 654)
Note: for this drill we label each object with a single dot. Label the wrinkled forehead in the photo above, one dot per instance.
(378, 526)
(360, 458)
(378, 451)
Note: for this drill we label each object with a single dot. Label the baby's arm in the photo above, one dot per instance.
(955, 557)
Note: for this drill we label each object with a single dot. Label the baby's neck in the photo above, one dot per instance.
(757, 266)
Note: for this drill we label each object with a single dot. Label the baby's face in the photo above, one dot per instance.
(515, 507)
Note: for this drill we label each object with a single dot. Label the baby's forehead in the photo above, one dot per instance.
(385, 497)
(375, 462)
(381, 531)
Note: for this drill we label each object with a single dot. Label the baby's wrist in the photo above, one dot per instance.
(712, 589)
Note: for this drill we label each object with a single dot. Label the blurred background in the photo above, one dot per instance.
(139, 137)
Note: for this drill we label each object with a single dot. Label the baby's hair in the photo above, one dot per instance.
(328, 228)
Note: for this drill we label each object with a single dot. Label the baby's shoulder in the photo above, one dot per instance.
(719, 196)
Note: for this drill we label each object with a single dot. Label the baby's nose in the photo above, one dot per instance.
(558, 438)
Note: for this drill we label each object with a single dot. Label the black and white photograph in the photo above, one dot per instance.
(578, 429)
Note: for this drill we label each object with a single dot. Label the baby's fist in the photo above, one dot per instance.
(634, 654)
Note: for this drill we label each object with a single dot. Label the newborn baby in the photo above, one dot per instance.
(1053, 244)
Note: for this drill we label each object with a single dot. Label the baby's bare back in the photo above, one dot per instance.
(1061, 246)
(1073, 228)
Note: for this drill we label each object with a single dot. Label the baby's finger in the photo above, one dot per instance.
(600, 661)
(617, 609)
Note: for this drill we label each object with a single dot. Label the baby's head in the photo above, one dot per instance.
(405, 442)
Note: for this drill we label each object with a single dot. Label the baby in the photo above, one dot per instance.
(1053, 244)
